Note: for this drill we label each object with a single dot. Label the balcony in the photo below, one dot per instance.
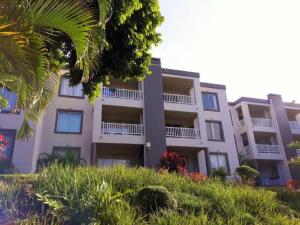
(122, 93)
(272, 149)
(179, 99)
(263, 122)
(122, 129)
(180, 132)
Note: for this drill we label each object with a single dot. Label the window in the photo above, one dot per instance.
(70, 91)
(8, 151)
(210, 101)
(69, 122)
(113, 162)
(12, 100)
(214, 131)
(219, 161)
(67, 152)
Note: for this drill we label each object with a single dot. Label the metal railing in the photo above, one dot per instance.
(122, 93)
(179, 99)
(294, 125)
(122, 129)
(264, 122)
(180, 132)
(268, 148)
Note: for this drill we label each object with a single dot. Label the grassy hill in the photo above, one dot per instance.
(108, 196)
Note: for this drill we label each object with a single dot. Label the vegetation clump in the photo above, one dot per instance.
(154, 198)
(89, 195)
(247, 174)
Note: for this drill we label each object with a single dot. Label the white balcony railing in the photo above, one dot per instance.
(294, 125)
(180, 132)
(264, 122)
(121, 93)
(268, 148)
(179, 99)
(122, 129)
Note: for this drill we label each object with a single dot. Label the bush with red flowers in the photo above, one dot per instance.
(197, 177)
(173, 162)
(293, 185)
(3, 143)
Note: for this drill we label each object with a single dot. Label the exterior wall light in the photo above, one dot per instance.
(148, 145)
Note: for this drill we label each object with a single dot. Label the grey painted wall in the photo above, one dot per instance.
(285, 130)
(283, 123)
(154, 117)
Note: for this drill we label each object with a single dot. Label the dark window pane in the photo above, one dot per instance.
(210, 101)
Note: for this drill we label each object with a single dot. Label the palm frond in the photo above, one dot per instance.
(68, 17)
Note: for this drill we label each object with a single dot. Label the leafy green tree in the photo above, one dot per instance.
(130, 34)
(31, 54)
(295, 145)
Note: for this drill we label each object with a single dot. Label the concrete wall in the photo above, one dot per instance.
(154, 119)
(228, 145)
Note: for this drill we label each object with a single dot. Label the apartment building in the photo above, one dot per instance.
(132, 124)
(263, 130)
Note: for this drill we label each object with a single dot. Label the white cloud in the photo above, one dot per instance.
(251, 46)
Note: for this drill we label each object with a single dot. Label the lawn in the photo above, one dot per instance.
(112, 196)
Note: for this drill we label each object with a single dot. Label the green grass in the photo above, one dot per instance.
(92, 196)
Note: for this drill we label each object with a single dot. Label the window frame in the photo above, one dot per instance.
(14, 133)
(228, 173)
(68, 110)
(67, 148)
(217, 100)
(67, 96)
(221, 130)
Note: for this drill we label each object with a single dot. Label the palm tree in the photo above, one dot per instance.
(29, 56)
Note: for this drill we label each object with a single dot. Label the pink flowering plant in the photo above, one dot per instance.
(3, 145)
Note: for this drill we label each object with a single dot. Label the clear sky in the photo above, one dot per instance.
(251, 46)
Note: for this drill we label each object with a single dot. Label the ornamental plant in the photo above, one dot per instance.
(293, 185)
(247, 174)
(173, 162)
(295, 162)
(3, 143)
(197, 177)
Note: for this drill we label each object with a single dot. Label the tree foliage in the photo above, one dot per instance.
(31, 53)
(130, 34)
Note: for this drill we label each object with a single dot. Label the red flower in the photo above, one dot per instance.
(197, 177)
(292, 185)
(3, 142)
(173, 162)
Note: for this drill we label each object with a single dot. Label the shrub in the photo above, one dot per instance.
(295, 162)
(46, 160)
(293, 185)
(247, 174)
(219, 173)
(197, 177)
(173, 162)
(154, 198)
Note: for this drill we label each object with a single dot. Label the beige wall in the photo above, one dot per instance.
(49, 138)
(228, 146)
